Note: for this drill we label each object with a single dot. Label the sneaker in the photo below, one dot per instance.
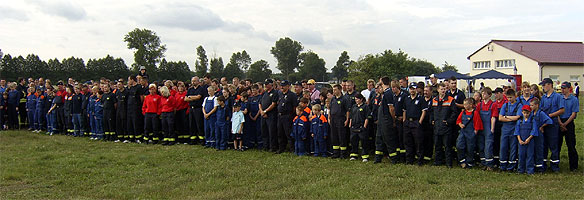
(117, 141)
(138, 141)
(365, 160)
(51, 134)
(126, 141)
(353, 158)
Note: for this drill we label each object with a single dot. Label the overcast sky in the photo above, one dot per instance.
(436, 31)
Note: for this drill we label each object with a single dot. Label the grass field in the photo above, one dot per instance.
(34, 166)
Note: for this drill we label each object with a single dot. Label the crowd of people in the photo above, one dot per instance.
(412, 123)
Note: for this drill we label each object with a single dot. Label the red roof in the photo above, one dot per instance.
(546, 51)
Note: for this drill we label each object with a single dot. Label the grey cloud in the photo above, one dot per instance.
(10, 13)
(308, 37)
(63, 9)
(197, 18)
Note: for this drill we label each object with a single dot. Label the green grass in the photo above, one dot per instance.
(34, 166)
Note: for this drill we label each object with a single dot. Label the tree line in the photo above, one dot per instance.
(293, 63)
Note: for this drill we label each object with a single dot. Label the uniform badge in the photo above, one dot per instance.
(339, 102)
(416, 102)
(361, 109)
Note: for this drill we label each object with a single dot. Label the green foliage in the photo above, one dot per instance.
(217, 66)
(148, 50)
(340, 70)
(174, 71)
(259, 71)
(286, 51)
(202, 62)
(238, 63)
(311, 67)
(448, 67)
(107, 67)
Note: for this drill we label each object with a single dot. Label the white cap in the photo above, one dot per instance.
(432, 76)
(507, 84)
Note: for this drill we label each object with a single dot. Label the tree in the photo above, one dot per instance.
(448, 67)
(174, 70)
(286, 51)
(202, 62)
(9, 68)
(107, 67)
(233, 68)
(216, 67)
(311, 67)
(56, 69)
(340, 69)
(75, 68)
(423, 68)
(148, 49)
(259, 71)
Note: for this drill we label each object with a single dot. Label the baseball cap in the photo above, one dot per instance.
(413, 85)
(285, 82)
(526, 107)
(432, 76)
(311, 82)
(546, 80)
(269, 81)
(298, 83)
(142, 68)
(566, 85)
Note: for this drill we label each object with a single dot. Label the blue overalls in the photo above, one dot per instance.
(486, 138)
(40, 115)
(299, 133)
(523, 101)
(210, 123)
(540, 118)
(318, 127)
(466, 140)
(524, 129)
(255, 126)
(508, 150)
(52, 117)
(221, 134)
(98, 115)
(31, 110)
(549, 105)
(91, 112)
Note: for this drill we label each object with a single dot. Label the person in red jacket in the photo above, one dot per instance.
(151, 110)
(168, 105)
(182, 114)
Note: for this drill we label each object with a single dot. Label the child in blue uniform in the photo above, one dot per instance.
(98, 115)
(300, 128)
(220, 126)
(52, 113)
(541, 121)
(525, 131)
(509, 115)
(209, 112)
(470, 123)
(319, 131)
(3, 98)
(31, 108)
(41, 108)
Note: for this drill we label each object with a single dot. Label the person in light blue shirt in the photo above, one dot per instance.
(237, 121)
(567, 128)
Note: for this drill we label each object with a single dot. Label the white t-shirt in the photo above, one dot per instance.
(215, 103)
(366, 93)
(236, 121)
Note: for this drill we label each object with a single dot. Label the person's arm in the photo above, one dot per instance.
(351, 123)
(366, 123)
(478, 122)
(562, 109)
(459, 120)
(423, 116)
(403, 115)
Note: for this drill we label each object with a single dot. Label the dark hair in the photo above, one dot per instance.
(535, 100)
(133, 78)
(452, 78)
(420, 84)
(441, 85)
(304, 100)
(385, 80)
(337, 86)
(359, 96)
(510, 92)
(220, 98)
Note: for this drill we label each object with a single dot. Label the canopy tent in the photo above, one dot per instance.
(492, 74)
(450, 73)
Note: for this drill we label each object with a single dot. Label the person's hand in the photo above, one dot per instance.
(312, 135)
(476, 132)
(420, 121)
(563, 128)
(16, 108)
(346, 123)
(492, 130)
(432, 123)
(541, 129)
(461, 126)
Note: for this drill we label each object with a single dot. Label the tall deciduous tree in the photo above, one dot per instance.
(259, 71)
(312, 66)
(448, 67)
(202, 62)
(216, 67)
(340, 69)
(286, 51)
(148, 49)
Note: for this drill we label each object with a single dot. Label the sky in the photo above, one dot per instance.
(437, 31)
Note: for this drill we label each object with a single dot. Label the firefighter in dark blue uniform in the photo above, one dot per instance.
(386, 138)
(268, 112)
(286, 107)
(339, 121)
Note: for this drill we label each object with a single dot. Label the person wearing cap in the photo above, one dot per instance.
(414, 112)
(142, 72)
(151, 110)
(567, 127)
(434, 84)
(443, 116)
(386, 138)
(509, 114)
(268, 110)
(399, 97)
(314, 93)
(500, 100)
(286, 108)
(526, 132)
(298, 90)
(552, 104)
(359, 124)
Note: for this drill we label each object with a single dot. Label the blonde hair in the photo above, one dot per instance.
(164, 91)
(316, 107)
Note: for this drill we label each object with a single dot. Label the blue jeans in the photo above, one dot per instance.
(52, 122)
(76, 119)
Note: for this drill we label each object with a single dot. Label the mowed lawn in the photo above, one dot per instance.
(35, 166)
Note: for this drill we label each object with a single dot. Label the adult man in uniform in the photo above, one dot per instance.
(121, 94)
(339, 121)
(109, 112)
(286, 107)
(386, 138)
(268, 106)
(134, 110)
(552, 104)
(195, 96)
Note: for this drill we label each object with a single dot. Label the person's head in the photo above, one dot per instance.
(498, 93)
(168, 84)
(207, 79)
(385, 81)
(344, 85)
(428, 91)
(350, 86)
(211, 90)
(370, 84)
(181, 87)
(226, 93)
(69, 89)
(232, 89)
(511, 95)
(403, 82)
(359, 99)
(534, 89)
(269, 84)
(77, 89)
(30, 90)
(120, 85)
(224, 81)
(477, 97)
(221, 101)
(235, 81)
(323, 96)
(566, 87)
(142, 69)
(164, 91)
(306, 94)
(311, 84)
(21, 81)
(534, 104)
(525, 88)
(255, 89)
(244, 96)
(469, 104)
(337, 89)
(441, 89)
(487, 93)
(526, 110)
(316, 108)
(132, 80)
(3, 82)
(395, 87)
(453, 83)
(152, 89)
(420, 87)
(303, 102)
(105, 88)
(548, 85)
(413, 89)
(298, 88)
(236, 107)
(299, 111)
(327, 102)
(99, 94)
(433, 79)
(144, 81)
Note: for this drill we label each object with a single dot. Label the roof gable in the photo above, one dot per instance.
(544, 51)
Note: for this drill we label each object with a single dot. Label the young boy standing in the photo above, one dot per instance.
(443, 116)
(509, 116)
(209, 108)
(319, 131)
(541, 121)
(220, 125)
(525, 131)
(300, 128)
(567, 127)
(470, 124)
(237, 121)
(485, 139)
(359, 123)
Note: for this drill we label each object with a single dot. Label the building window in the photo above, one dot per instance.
(510, 63)
(574, 78)
(555, 77)
(481, 65)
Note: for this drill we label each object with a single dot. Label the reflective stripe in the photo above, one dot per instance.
(378, 152)
(488, 160)
(555, 161)
(427, 158)
(512, 162)
(22, 100)
(402, 151)
(193, 137)
(503, 162)
(538, 165)
(120, 136)
(146, 138)
(155, 139)
(354, 155)
(201, 137)
(462, 160)
(365, 156)
(171, 139)
(165, 139)
(343, 148)
(482, 158)
(336, 147)
(392, 154)
(131, 136)
(496, 157)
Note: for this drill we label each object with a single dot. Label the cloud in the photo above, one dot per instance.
(63, 9)
(307, 36)
(197, 18)
(10, 13)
